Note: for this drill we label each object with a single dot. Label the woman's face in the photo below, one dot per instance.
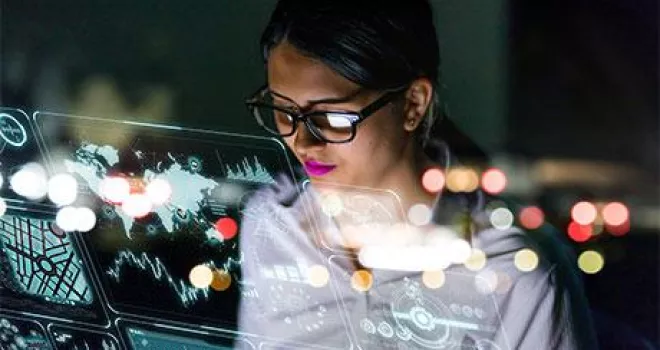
(381, 146)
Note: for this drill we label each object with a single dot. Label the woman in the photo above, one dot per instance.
(353, 91)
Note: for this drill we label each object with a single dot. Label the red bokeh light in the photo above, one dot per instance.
(579, 233)
(618, 230)
(433, 180)
(226, 227)
(493, 181)
(531, 218)
(615, 214)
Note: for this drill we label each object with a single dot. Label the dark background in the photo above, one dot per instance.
(528, 80)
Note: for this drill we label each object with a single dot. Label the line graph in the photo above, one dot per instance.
(187, 294)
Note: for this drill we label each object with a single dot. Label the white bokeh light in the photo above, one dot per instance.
(67, 219)
(115, 189)
(459, 251)
(62, 189)
(30, 181)
(501, 218)
(137, 205)
(159, 191)
(86, 219)
(419, 214)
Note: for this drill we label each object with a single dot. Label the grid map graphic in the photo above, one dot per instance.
(43, 260)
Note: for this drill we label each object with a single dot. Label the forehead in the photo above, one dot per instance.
(303, 78)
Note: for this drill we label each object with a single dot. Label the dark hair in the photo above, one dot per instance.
(375, 44)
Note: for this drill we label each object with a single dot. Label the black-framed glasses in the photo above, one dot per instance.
(327, 126)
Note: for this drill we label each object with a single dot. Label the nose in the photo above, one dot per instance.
(304, 142)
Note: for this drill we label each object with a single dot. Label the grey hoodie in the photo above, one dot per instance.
(498, 306)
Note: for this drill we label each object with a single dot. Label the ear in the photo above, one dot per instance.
(417, 100)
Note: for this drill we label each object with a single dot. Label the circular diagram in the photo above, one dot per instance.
(12, 131)
(421, 318)
(296, 305)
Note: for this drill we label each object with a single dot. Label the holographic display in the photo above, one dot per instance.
(43, 260)
(144, 336)
(19, 333)
(74, 338)
(145, 246)
(42, 271)
(405, 312)
(18, 147)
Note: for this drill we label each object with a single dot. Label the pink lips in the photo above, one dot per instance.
(318, 169)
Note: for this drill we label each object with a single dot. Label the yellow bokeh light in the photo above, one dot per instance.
(462, 180)
(476, 261)
(591, 262)
(526, 260)
(318, 276)
(221, 280)
(362, 280)
(331, 204)
(201, 276)
(433, 279)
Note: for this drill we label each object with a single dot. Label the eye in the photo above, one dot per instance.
(340, 120)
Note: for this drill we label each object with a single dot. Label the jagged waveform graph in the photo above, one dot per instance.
(187, 294)
(252, 173)
(231, 264)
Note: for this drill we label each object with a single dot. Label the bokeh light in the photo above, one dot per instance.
(331, 204)
(493, 181)
(584, 213)
(501, 218)
(459, 251)
(462, 180)
(86, 219)
(591, 262)
(221, 280)
(30, 181)
(67, 219)
(433, 279)
(318, 276)
(2, 180)
(531, 217)
(476, 261)
(618, 230)
(362, 280)
(159, 191)
(137, 205)
(226, 227)
(615, 214)
(201, 276)
(579, 233)
(62, 189)
(433, 180)
(526, 260)
(115, 189)
(419, 214)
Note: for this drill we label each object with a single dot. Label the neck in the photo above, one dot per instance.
(405, 179)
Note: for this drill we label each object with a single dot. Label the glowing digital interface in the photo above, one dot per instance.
(133, 241)
(165, 202)
(43, 260)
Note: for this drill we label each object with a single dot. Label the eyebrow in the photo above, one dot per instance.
(328, 100)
